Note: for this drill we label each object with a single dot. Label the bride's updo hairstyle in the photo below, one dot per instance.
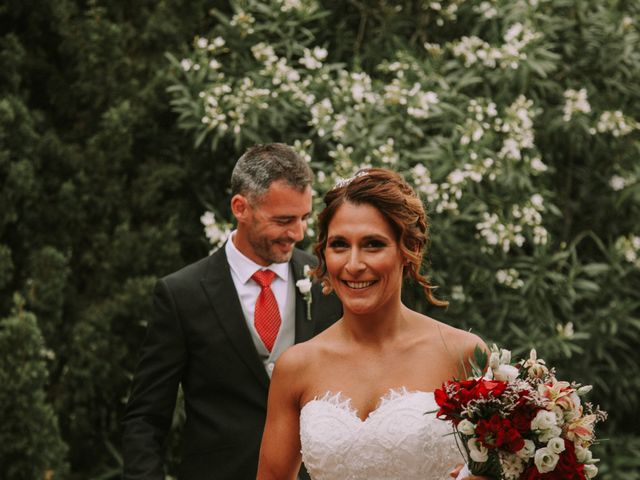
(399, 204)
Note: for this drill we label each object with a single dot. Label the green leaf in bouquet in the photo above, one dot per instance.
(479, 362)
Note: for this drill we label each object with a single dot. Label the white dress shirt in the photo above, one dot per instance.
(242, 268)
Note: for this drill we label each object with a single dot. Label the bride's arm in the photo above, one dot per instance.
(280, 457)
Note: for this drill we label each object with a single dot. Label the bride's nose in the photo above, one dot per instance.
(355, 265)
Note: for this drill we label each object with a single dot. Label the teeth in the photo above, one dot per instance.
(358, 284)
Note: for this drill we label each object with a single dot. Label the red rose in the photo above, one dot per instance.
(484, 388)
(449, 409)
(499, 433)
(491, 432)
(467, 391)
(513, 440)
(568, 467)
(521, 418)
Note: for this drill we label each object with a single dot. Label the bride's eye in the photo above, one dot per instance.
(375, 244)
(337, 244)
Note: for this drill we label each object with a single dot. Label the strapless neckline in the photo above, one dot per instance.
(344, 402)
(401, 439)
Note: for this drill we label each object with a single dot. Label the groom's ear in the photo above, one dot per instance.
(240, 207)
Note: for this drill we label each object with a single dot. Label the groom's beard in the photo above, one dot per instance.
(278, 250)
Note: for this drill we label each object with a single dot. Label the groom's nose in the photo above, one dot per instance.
(296, 230)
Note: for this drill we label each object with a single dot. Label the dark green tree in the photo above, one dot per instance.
(32, 447)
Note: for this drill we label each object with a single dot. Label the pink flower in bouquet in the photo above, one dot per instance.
(580, 430)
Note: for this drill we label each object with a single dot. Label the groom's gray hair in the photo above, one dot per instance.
(261, 165)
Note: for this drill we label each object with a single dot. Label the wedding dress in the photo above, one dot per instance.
(397, 441)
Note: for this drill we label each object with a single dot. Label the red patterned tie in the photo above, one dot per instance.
(267, 315)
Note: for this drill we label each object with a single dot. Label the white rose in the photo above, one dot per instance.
(494, 360)
(590, 470)
(505, 373)
(544, 420)
(477, 451)
(548, 434)
(556, 445)
(304, 285)
(505, 356)
(528, 450)
(466, 427)
(545, 460)
(583, 455)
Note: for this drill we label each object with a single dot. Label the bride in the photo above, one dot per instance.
(351, 402)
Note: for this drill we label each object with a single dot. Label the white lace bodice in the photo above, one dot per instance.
(397, 441)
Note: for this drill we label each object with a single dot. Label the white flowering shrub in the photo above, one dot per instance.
(516, 120)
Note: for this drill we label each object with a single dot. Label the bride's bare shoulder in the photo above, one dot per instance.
(303, 355)
(464, 342)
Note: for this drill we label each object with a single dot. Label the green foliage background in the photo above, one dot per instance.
(119, 124)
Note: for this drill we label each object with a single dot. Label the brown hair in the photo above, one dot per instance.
(399, 204)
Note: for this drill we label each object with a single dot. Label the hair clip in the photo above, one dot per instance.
(343, 182)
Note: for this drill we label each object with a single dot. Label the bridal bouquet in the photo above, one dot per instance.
(519, 422)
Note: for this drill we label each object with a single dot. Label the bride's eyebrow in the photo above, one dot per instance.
(366, 238)
(376, 236)
(334, 237)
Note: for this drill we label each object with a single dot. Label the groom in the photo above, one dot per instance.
(221, 323)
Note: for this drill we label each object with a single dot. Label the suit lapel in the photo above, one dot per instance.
(304, 325)
(220, 290)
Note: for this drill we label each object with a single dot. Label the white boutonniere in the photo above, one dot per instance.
(304, 285)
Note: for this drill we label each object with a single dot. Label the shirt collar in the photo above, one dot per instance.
(244, 267)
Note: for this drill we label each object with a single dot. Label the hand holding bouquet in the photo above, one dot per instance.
(518, 422)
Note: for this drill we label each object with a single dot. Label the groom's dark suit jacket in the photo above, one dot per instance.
(199, 338)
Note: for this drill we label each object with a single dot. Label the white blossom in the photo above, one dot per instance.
(313, 59)
(302, 149)
(486, 9)
(386, 153)
(216, 233)
(511, 465)
(617, 182)
(575, 101)
(321, 116)
(509, 278)
(243, 21)
(566, 330)
(264, 53)
(538, 165)
(202, 42)
(616, 123)
(629, 247)
(287, 5)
